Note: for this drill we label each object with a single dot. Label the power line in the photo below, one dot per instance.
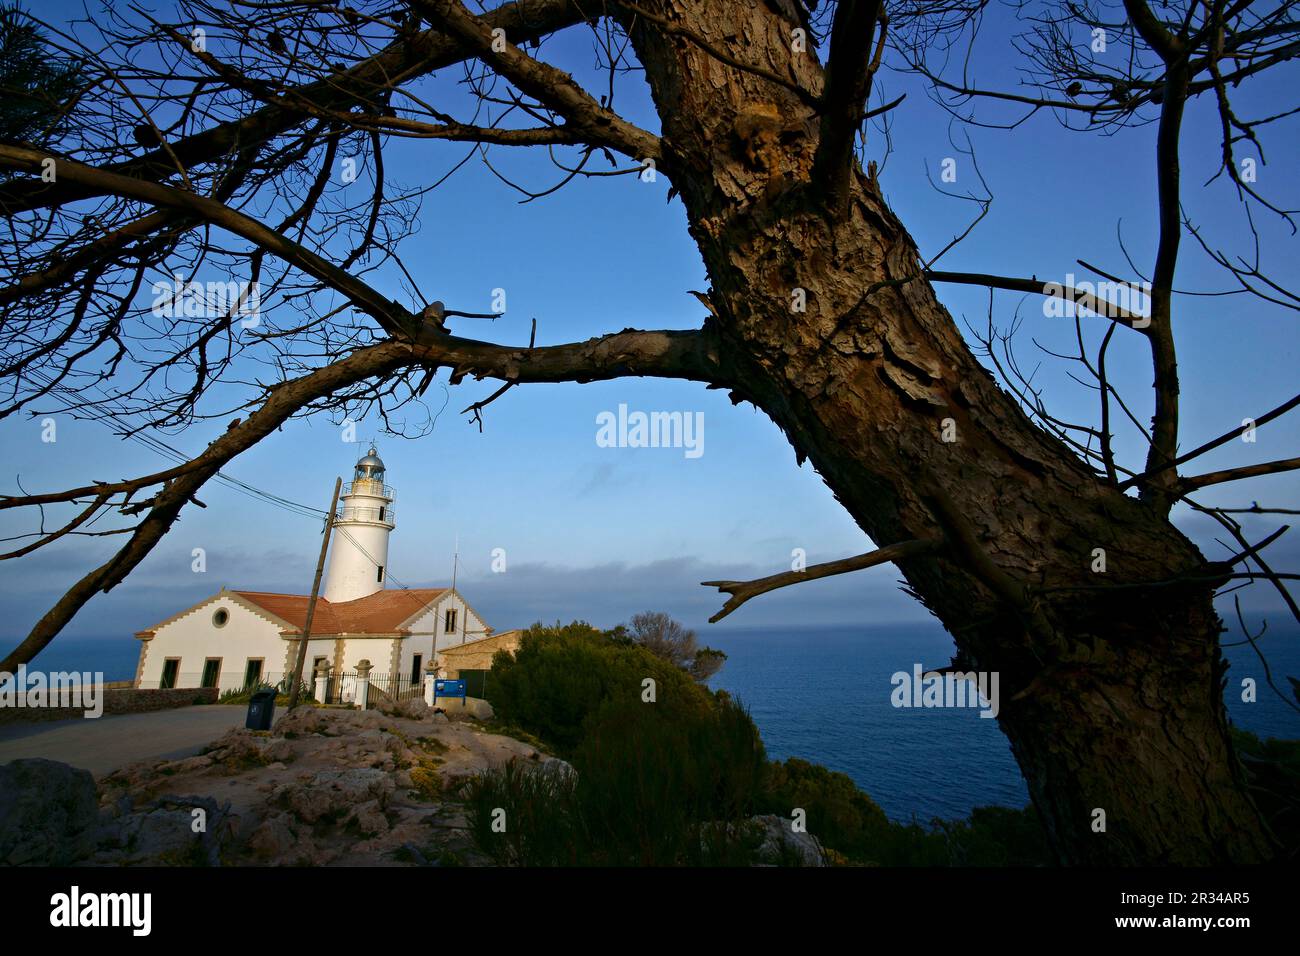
(160, 447)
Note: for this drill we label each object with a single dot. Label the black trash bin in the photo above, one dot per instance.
(261, 709)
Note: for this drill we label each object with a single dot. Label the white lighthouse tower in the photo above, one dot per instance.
(360, 546)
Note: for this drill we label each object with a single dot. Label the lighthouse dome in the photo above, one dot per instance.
(371, 467)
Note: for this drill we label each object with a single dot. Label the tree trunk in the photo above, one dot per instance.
(1111, 693)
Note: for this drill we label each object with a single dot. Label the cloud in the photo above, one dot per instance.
(608, 594)
(604, 594)
(163, 584)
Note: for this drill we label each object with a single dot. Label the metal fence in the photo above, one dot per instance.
(370, 486)
(384, 688)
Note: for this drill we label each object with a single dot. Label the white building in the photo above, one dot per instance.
(238, 638)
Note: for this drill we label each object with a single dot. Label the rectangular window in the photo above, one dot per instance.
(449, 622)
(253, 672)
(171, 670)
(381, 512)
(415, 668)
(380, 576)
(211, 671)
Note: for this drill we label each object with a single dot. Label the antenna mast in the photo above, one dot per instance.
(455, 563)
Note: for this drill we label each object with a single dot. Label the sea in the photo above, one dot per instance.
(823, 694)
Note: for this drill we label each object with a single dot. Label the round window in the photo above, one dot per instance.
(220, 618)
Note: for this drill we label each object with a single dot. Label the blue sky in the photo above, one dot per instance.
(601, 533)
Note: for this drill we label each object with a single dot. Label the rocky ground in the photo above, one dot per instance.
(324, 787)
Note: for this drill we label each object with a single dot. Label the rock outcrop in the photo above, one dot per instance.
(47, 813)
(783, 846)
(323, 786)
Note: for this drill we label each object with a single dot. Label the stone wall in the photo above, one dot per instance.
(477, 655)
(138, 701)
(116, 701)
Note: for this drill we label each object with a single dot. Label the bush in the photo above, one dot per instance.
(838, 813)
(243, 695)
(657, 781)
(1272, 768)
(522, 816)
(847, 821)
(563, 674)
(997, 836)
(672, 782)
(666, 638)
(648, 777)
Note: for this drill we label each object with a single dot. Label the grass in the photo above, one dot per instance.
(243, 695)
(427, 783)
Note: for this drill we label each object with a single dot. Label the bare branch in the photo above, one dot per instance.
(1082, 300)
(1236, 474)
(391, 317)
(551, 87)
(405, 59)
(742, 591)
(668, 354)
(1216, 442)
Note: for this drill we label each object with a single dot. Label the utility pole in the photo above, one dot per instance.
(315, 591)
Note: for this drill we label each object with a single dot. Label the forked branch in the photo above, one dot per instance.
(553, 88)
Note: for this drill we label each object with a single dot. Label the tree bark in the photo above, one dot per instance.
(1112, 693)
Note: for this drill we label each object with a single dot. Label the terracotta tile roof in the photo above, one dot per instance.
(380, 613)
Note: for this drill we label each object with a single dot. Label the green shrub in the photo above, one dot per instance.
(649, 776)
(563, 674)
(242, 695)
(524, 815)
(673, 781)
(732, 751)
(997, 836)
(847, 821)
(657, 783)
(838, 813)
(1272, 769)
(521, 816)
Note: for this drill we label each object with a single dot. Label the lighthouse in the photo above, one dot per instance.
(361, 529)
(237, 639)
